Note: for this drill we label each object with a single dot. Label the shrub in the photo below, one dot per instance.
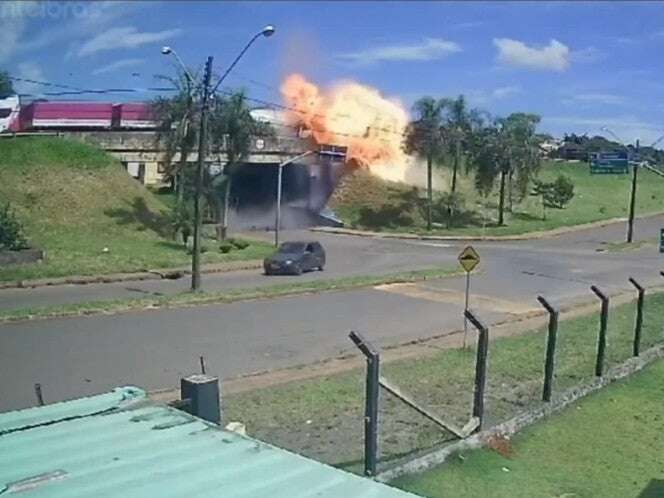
(238, 243)
(226, 247)
(447, 204)
(11, 230)
(182, 221)
(562, 191)
(554, 194)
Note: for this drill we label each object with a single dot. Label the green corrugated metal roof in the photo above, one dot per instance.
(120, 444)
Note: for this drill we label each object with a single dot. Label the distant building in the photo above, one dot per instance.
(548, 147)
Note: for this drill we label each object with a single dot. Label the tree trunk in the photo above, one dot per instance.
(429, 191)
(224, 225)
(501, 204)
(455, 169)
(179, 186)
(510, 204)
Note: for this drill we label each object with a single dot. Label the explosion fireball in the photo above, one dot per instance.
(355, 116)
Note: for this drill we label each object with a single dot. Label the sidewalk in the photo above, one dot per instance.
(159, 274)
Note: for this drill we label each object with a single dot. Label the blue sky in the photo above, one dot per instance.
(580, 65)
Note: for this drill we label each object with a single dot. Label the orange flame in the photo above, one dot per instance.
(352, 115)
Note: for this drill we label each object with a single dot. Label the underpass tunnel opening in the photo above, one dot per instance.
(306, 188)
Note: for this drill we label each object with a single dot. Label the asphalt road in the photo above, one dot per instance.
(78, 356)
(346, 256)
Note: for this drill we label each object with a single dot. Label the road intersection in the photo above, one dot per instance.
(83, 355)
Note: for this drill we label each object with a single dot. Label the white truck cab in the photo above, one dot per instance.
(9, 113)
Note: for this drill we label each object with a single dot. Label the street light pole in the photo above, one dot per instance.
(196, 252)
(202, 142)
(280, 169)
(632, 199)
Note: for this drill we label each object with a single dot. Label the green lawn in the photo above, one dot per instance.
(322, 417)
(75, 200)
(375, 204)
(610, 444)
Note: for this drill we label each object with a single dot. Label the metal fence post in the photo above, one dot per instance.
(638, 325)
(549, 363)
(603, 321)
(480, 366)
(370, 402)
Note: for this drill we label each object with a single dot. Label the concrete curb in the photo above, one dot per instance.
(159, 274)
(526, 418)
(477, 238)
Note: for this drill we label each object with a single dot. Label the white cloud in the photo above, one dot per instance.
(553, 57)
(429, 49)
(29, 71)
(13, 22)
(597, 98)
(505, 91)
(125, 37)
(486, 97)
(118, 65)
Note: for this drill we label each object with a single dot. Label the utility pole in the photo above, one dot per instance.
(632, 200)
(202, 141)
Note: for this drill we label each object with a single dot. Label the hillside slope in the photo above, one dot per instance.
(75, 200)
(366, 201)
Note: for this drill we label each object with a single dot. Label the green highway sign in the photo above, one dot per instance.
(615, 162)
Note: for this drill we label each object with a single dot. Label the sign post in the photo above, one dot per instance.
(468, 259)
(661, 240)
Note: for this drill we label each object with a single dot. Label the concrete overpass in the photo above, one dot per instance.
(143, 154)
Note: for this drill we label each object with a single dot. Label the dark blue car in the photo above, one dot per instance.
(294, 258)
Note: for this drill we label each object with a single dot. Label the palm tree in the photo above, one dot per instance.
(231, 129)
(425, 138)
(178, 131)
(506, 148)
(460, 123)
(524, 151)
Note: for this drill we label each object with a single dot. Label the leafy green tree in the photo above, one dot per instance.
(6, 86)
(232, 129)
(426, 139)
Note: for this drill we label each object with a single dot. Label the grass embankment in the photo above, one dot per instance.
(364, 201)
(607, 445)
(75, 200)
(322, 417)
(190, 299)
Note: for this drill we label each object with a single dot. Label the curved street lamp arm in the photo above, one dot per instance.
(237, 59)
